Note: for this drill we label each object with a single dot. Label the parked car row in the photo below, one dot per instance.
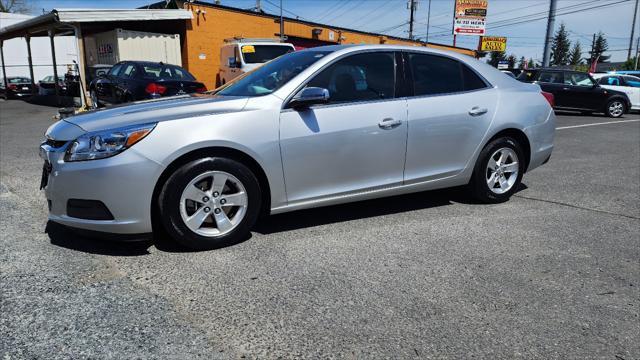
(574, 90)
(17, 87)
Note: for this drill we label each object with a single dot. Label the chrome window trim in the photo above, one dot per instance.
(327, 106)
(285, 103)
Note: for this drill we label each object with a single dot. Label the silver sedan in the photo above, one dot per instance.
(317, 127)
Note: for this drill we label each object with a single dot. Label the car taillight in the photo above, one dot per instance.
(13, 86)
(154, 88)
(201, 89)
(550, 98)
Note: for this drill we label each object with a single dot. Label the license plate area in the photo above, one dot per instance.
(46, 171)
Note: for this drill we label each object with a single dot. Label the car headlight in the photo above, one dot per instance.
(107, 143)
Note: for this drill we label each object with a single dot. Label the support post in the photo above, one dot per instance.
(281, 23)
(55, 64)
(4, 70)
(81, 67)
(550, 25)
(428, 21)
(633, 27)
(30, 60)
(412, 6)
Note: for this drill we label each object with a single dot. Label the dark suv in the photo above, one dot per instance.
(575, 90)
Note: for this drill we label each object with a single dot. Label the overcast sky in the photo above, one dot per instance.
(388, 16)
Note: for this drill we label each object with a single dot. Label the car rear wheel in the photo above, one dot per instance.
(210, 203)
(615, 108)
(498, 171)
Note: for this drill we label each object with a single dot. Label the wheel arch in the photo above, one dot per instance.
(520, 137)
(213, 151)
(625, 99)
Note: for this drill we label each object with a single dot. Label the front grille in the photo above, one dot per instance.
(55, 143)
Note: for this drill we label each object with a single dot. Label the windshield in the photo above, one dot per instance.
(272, 75)
(258, 54)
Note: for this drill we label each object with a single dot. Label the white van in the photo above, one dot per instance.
(239, 56)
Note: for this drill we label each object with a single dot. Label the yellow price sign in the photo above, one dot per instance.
(248, 49)
(493, 43)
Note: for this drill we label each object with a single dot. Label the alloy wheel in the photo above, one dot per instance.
(213, 203)
(502, 170)
(616, 108)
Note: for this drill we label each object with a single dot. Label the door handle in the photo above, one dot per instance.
(476, 111)
(389, 123)
(566, 88)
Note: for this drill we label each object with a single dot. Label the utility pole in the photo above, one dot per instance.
(412, 7)
(428, 19)
(633, 27)
(593, 47)
(281, 23)
(258, 6)
(637, 53)
(551, 19)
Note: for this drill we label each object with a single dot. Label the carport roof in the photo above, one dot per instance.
(39, 26)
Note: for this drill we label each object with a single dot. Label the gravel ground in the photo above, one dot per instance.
(553, 273)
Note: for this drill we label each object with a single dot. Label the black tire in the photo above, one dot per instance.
(609, 108)
(169, 203)
(478, 184)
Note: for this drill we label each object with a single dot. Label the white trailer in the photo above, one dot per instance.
(119, 45)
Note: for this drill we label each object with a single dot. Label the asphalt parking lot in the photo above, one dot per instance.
(553, 273)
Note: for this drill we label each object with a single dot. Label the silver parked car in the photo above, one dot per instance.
(316, 127)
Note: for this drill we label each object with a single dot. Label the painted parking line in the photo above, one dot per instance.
(596, 124)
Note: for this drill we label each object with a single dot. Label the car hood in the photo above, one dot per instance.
(170, 108)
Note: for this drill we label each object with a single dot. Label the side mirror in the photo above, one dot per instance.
(309, 96)
(233, 63)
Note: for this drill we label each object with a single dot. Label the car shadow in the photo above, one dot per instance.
(362, 209)
(63, 236)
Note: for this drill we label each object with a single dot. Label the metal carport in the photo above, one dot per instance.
(80, 22)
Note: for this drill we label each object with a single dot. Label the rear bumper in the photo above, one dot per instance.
(541, 137)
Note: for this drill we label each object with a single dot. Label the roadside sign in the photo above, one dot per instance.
(503, 64)
(493, 43)
(469, 17)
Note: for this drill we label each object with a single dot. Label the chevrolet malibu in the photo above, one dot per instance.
(317, 127)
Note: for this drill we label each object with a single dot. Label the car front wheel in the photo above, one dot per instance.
(210, 203)
(498, 171)
(615, 108)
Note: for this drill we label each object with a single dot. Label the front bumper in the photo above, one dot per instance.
(123, 183)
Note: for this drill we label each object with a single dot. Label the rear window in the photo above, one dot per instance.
(527, 76)
(20, 80)
(166, 72)
(551, 77)
(256, 54)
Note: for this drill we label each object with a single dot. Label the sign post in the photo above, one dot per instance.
(469, 17)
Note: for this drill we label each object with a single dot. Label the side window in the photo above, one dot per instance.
(115, 70)
(604, 80)
(471, 80)
(551, 77)
(129, 71)
(631, 81)
(578, 79)
(360, 77)
(435, 74)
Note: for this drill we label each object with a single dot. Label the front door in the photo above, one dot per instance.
(355, 142)
(581, 92)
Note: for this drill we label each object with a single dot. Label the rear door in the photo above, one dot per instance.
(449, 113)
(553, 82)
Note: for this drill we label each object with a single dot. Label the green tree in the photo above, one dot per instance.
(575, 56)
(630, 64)
(480, 54)
(560, 46)
(15, 6)
(495, 57)
(531, 64)
(522, 62)
(512, 59)
(599, 48)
